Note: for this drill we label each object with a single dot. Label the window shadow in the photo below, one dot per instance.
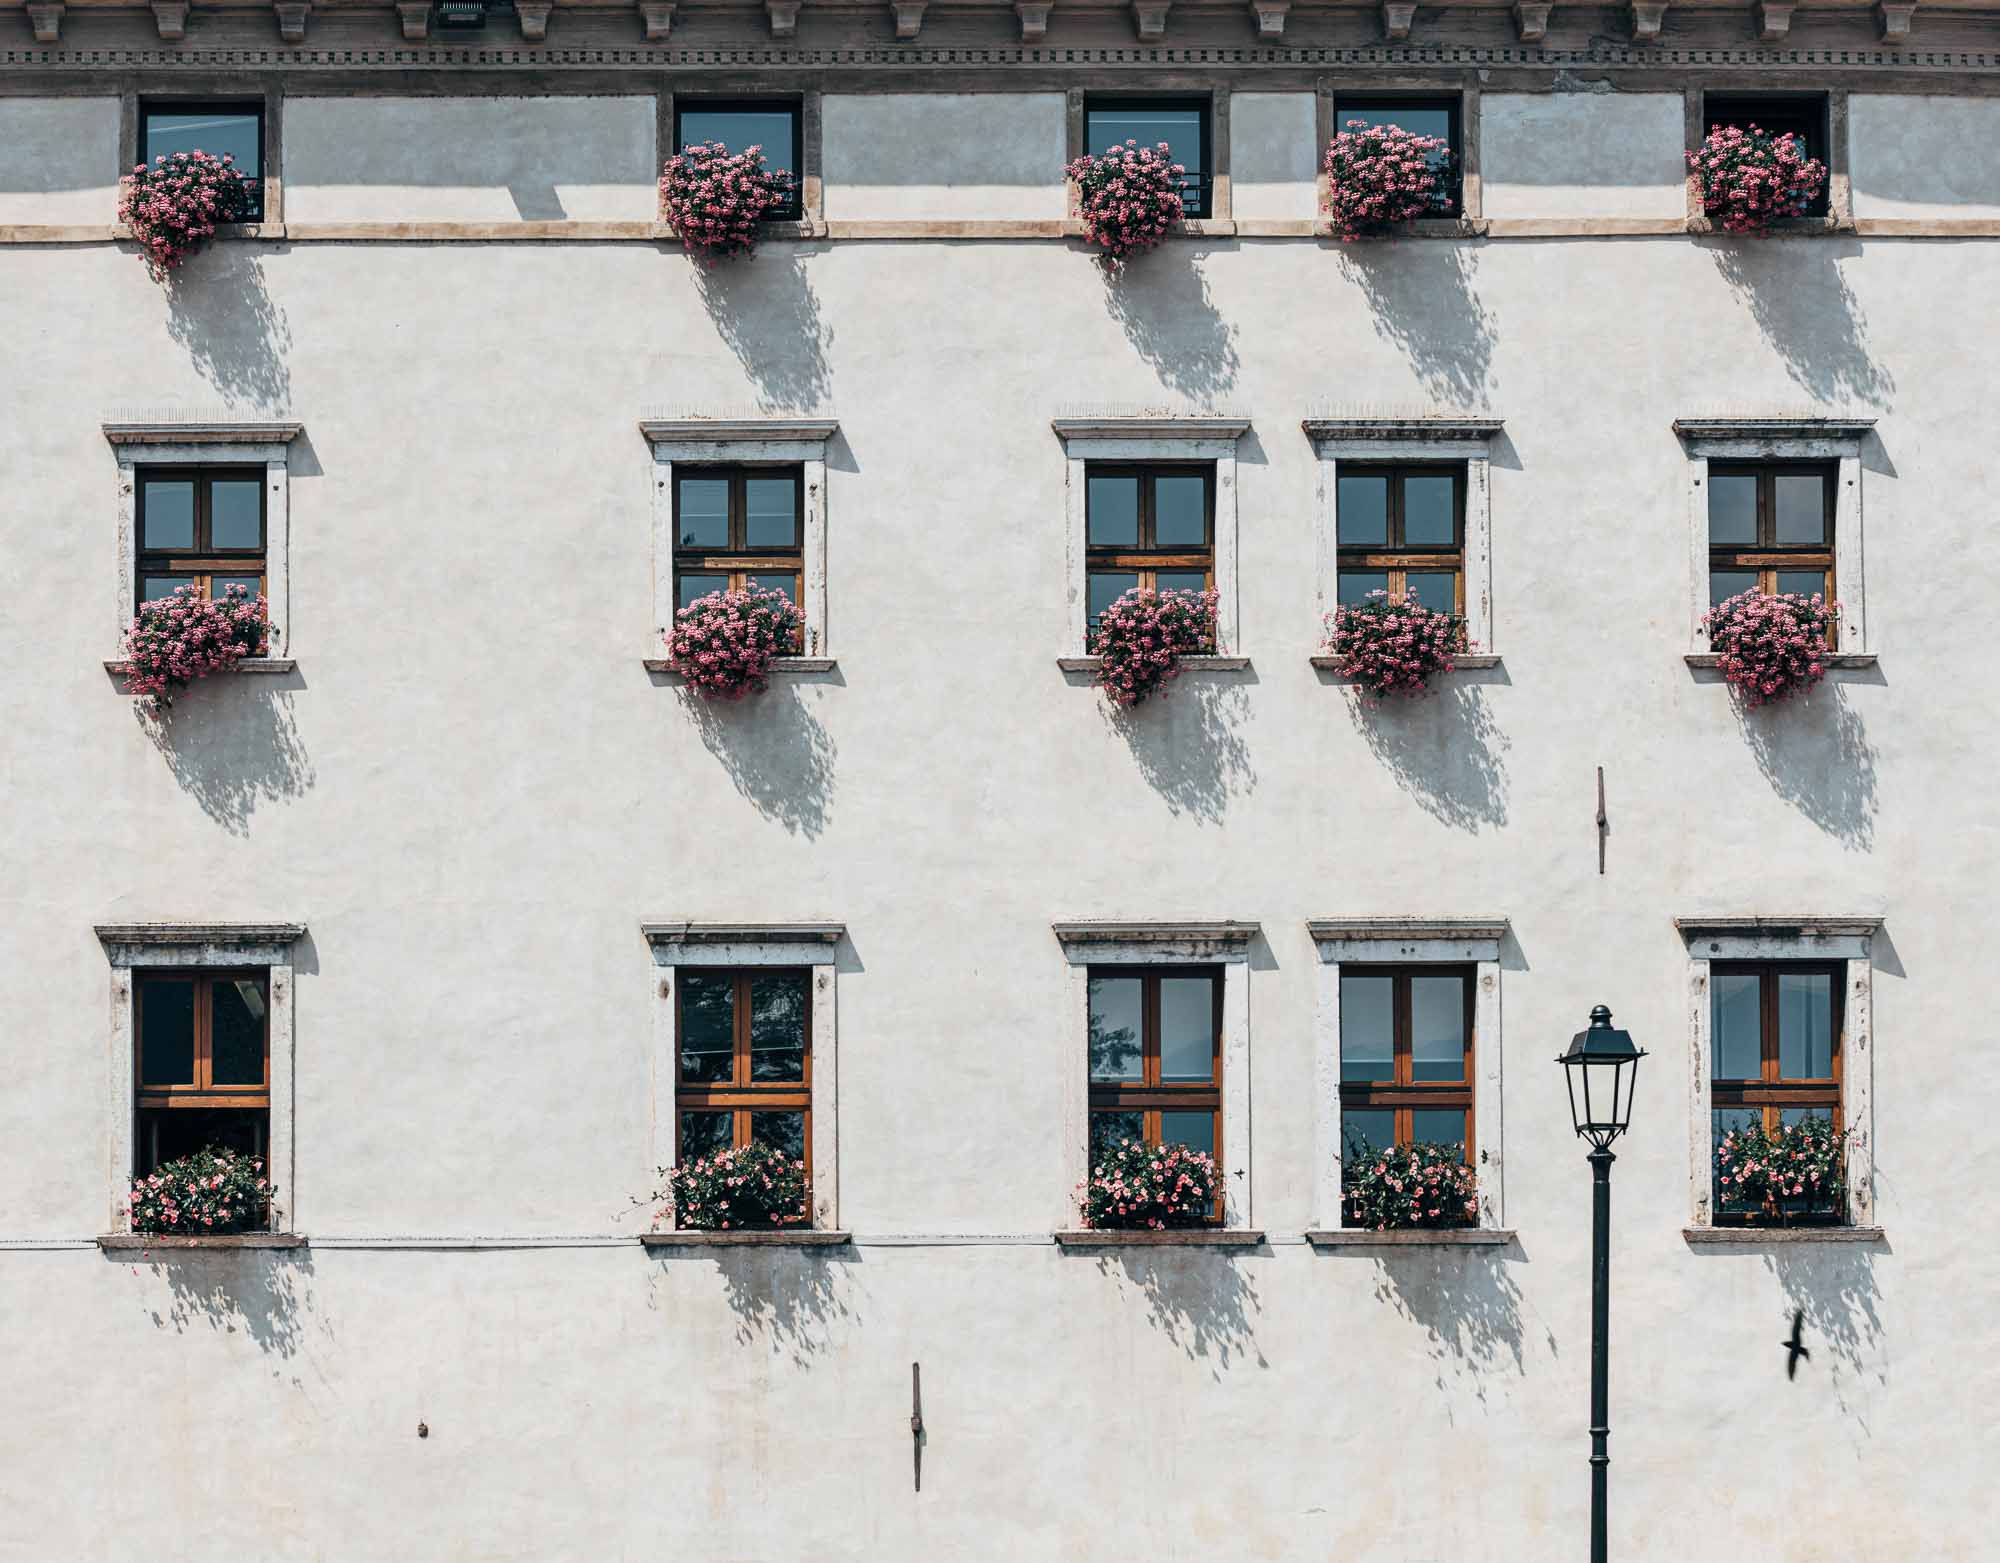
(1466, 1302)
(1815, 753)
(220, 311)
(1444, 749)
(776, 751)
(260, 1293)
(1163, 305)
(1188, 744)
(1803, 306)
(1833, 1285)
(232, 743)
(789, 1301)
(1203, 1300)
(767, 314)
(1420, 293)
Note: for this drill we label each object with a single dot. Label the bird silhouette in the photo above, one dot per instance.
(1794, 1348)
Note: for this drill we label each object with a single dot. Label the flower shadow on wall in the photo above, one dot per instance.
(1444, 749)
(1465, 1301)
(1803, 306)
(1833, 1285)
(1814, 751)
(1201, 1299)
(776, 751)
(791, 1300)
(235, 333)
(1188, 744)
(233, 745)
(1163, 305)
(766, 312)
(262, 1294)
(1421, 295)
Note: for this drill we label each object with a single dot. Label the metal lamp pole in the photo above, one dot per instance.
(1600, 1347)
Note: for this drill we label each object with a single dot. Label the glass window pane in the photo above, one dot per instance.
(1807, 583)
(236, 513)
(1418, 119)
(1801, 505)
(218, 585)
(1725, 584)
(708, 1026)
(770, 512)
(1112, 510)
(1736, 1011)
(1805, 1025)
(690, 587)
(218, 132)
(703, 1134)
(1367, 1028)
(1436, 590)
(741, 129)
(704, 512)
(1354, 586)
(778, 1026)
(1732, 509)
(1180, 511)
(1109, 1130)
(786, 582)
(1438, 1126)
(1437, 1028)
(1180, 580)
(236, 1036)
(1429, 514)
(1194, 1130)
(1117, 1034)
(1361, 506)
(1794, 1115)
(783, 1132)
(169, 507)
(1113, 124)
(1106, 587)
(166, 1042)
(1187, 1028)
(1727, 1120)
(1366, 1129)
(153, 587)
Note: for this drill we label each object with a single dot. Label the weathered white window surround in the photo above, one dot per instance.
(137, 946)
(742, 442)
(1781, 439)
(1457, 441)
(1116, 437)
(1845, 939)
(1408, 941)
(813, 945)
(170, 441)
(1224, 944)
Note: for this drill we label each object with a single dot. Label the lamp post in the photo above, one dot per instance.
(1601, 1068)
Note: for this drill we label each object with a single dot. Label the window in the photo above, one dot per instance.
(775, 125)
(200, 525)
(1804, 117)
(1405, 1057)
(1148, 527)
(738, 529)
(1402, 530)
(745, 1073)
(219, 129)
(1156, 1059)
(1420, 116)
(1182, 123)
(1770, 529)
(202, 1064)
(1774, 1053)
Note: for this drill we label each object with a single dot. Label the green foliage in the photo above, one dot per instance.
(207, 1194)
(1426, 1184)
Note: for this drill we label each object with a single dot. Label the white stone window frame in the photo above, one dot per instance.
(677, 944)
(1819, 940)
(742, 442)
(132, 947)
(211, 443)
(1448, 441)
(1193, 438)
(1403, 941)
(1223, 944)
(1803, 439)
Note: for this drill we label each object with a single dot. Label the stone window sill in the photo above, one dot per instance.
(1198, 1237)
(1744, 1237)
(795, 1237)
(778, 665)
(1703, 228)
(1835, 659)
(246, 665)
(1188, 664)
(141, 1242)
(1446, 1237)
(1470, 662)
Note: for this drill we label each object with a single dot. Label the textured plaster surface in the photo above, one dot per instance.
(58, 160)
(1924, 157)
(1273, 162)
(1583, 154)
(995, 155)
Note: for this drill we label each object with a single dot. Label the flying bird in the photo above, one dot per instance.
(1794, 1348)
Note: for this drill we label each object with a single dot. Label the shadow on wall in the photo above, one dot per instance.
(1815, 754)
(1833, 1285)
(765, 310)
(1422, 299)
(786, 1299)
(262, 1294)
(1464, 1300)
(1200, 1299)
(233, 745)
(1163, 305)
(1807, 312)
(1188, 746)
(220, 311)
(778, 754)
(1443, 749)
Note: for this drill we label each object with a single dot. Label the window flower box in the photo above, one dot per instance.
(1129, 199)
(1771, 646)
(1751, 179)
(1149, 1188)
(1141, 639)
(1795, 1175)
(1392, 645)
(1380, 177)
(174, 207)
(715, 198)
(1415, 1187)
(212, 1193)
(175, 640)
(723, 644)
(752, 1188)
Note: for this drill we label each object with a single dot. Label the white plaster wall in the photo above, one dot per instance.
(1273, 164)
(59, 160)
(522, 159)
(1577, 154)
(928, 155)
(1923, 156)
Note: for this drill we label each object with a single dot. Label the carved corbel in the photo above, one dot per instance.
(1396, 18)
(416, 18)
(47, 20)
(292, 16)
(909, 17)
(1894, 17)
(1149, 19)
(534, 15)
(1034, 15)
(1531, 19)
(1648, 17)
(659, 18)
(784, 16)
(1270, 17)
(171, 17)
(1774, 20)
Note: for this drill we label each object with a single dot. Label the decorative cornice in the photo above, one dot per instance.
(1145, 427)
(1230, 934)
(697, 431)
(125, 935)
(1806, 428)
(680, 934)
(165, 433)
(1411, 929)
(1694, 928)
(1472, 428)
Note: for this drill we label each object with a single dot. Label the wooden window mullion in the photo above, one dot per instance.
(204, 1017)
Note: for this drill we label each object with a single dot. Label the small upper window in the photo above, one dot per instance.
(738, 529)
(1148, 527)
(1405, 1058)
(1437, 117)
(203, 526)
(1775, 1052)
(1156, 1059)
(773, 125)
(1401, 530)
(203, 1064)
(1804, 117)
(234, 130)
(1182, 123)
(745, 1074)
(1770, 529)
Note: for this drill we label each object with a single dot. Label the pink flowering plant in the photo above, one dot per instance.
(1392, 645)
(1796, 1174)
(175, 640)
(210, 1193)
(1750, 178)
(723, 644)
(715, 198)
(174, 207)
(1381, 176)
(1129, 199)
(750, 1188)
(1140, 639)
(1770, 647)
(1422, 1185)
(1135, 1187)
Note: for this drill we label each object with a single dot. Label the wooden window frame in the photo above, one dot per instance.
(1771, 1093)
(739, 561)
(1396, 556)
(1145, 558)
(202, 1093)
(740, 1095)
(257, 107)
(1202, 184)
(1403, 1093)
(1813, 109)
(1767, 556)
(201, 562)
(1150, 1096)
(794, 208)
(1452, 103)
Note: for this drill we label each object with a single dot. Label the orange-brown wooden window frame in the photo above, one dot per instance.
(1398, 558)
(1771, 1092)
(1145, 558)
(739, 561)
(740, 1095)
(201, 562)
(1767, 556)
(1150, 1096)
(1403, 1093)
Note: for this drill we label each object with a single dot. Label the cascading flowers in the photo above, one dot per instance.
(1422, 1185)
(723, 644)
(1771, 646)
(1135, 1187)
(1392, 645)
(1380, 176)
(753, 1187)
(1797, 1172)
(1129, 199)
(715, 198)
(208, 1194)
(175, 640)
(1750, 178)
(1140, 639)
(174, 207)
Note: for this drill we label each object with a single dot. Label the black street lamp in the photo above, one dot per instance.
(1602, 1067)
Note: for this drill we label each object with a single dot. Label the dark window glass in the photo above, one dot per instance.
(1155, 1068)
(1183, 126)
(1806, 583)
(1362, 506)
(201, 1077)
(1430, 510)
(1725, 584)
(169, 510)
(1805, 1025)
(1367, 1129)
(1801, 507)
(1110, 1130)
(1180, 511)
(1117, 1028)
(708, 1026)
(704, 512)
(1147, 528)
(1400, 530)
(153, 587)
(1434, 590)
(785, 586)
(746, 1060)
(236, 1047)
(1111, 504)
(778, 1027)
(1437, 1027)
(220, 129)
(1357, 585)
(1187, 1028)
(704, 1134)
(1774, 1050)
(773, 127)
(1437, 1126)
(691, 587)
(784, 1132)
(219, 585)
(200, 527)
(1405, 1057)
(166, 1044)
(1367, 1028)
(1180, 580)
(236, 513)
(1106, 587)
(771, 512)
(1194, 1130)
(1422, 117)
(1732, 508)
(1736, 1023)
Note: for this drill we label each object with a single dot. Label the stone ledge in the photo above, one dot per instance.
(140, 1242)
(778, 665)
(1471, 663)
(1833, 659)
(798, 1237)
(1188, 664)
(1192, 1237)
(123, 667)
(1745, 1237)
(1443, 1237)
